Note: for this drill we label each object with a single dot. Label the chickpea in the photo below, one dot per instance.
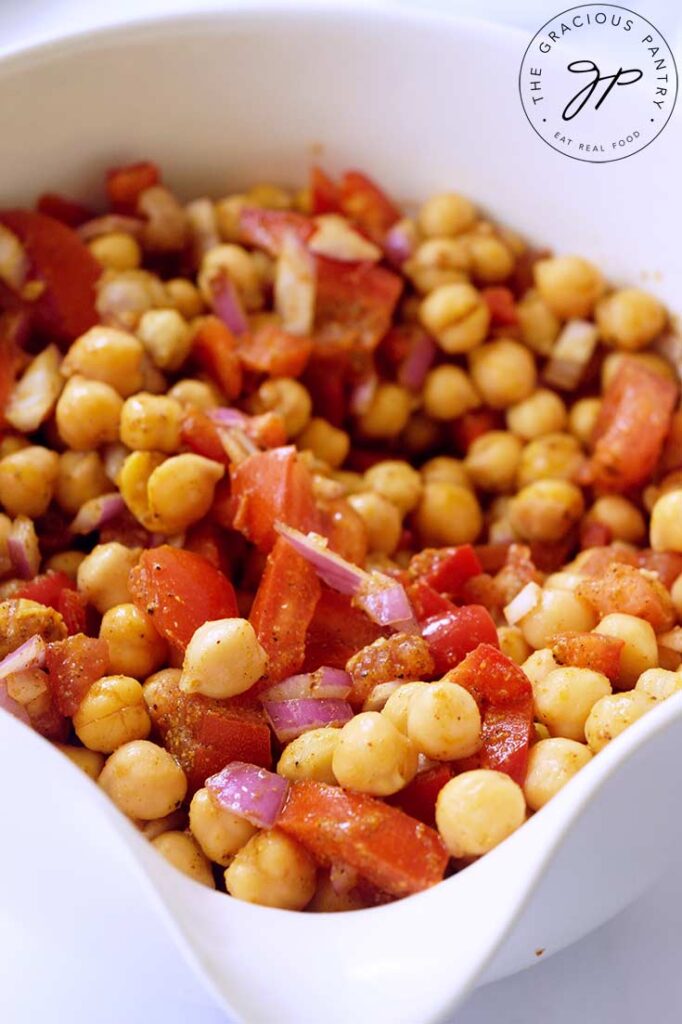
(444, 469)
(398, 704)
(476, 810)
(112, 713)
(630, 319)
(582, 419)
(382, 519)
(446, 214)
(569, 285)
(227, 212)
(552, 457)
(89, 761)
(219, 832)
(166, 336)
(151, 423)
(676, 595)
(66, 562)
(222, 659)
(116, 251)
(443, 722)
(27, 481)
(269, 196)
(372, 756)
(272, 870)
(135, 647)
(292, 401)
(328, 901)
(310, 756)
(538, 665)
(438, 261)
(491, 260)
(179, 491)
(448, 393)
(623, 518)
(238, 263)
(503, 371)
(388, 413)
(397, 482)
(88, 413)
(559, 611)
(493, 459)
(541, 413)
(565, 697)
(665, 528)
(513, 643)
(551, 764)
(640, 651)
(546, 510)
(611, 716)
(184, 853)
(659, 683)
(457, 316)
(539, 325)
(81, 476)
(328, 443)
(198, 393)
(103, 575)
(143, 780)
(448, 514)
(108, 355)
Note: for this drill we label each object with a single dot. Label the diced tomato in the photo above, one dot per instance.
(418, 798)
(125, 529)
(73, 608)
(325, 379)
(492, 556)
(451, 635)
(215, 348)
(426, 601)
(324, 194)
(354, 304)
(633, 423)
(46, 589)
(283, 609)
(504, 695)
(622, 588)
(267, 430)
(472, 425)
(67, 269)
(589, 650)
(337, 630)
(68, 211)
(267, 229)
(271, 350)
(180, 590)
(401, 656)
(73, 665)
(446, 569)
(272, 487)
(386, 846)
(482, 589)
(345, 530)
(200, 434)
(524, 270)
(124, 185)
(668, 564)
(671, 456)
(212, 543)
(47, 720)
(502, 306)
(599, 559)
(594, 534)
(365, 203)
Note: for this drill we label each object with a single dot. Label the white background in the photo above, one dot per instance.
(625, 973)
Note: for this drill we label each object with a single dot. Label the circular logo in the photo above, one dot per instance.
(598, 82)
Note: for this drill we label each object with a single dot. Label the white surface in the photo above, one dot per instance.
(127, 971)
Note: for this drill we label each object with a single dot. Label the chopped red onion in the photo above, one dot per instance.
(12, 707)
(31, 654)
(203, 227)
(22, 548)
(33, 398)
(295, 286)
(97, 512)
(400, 242)
(343, 878)
(249, 792)
(325, 682)
(418, 361)
(227, 417)
(225, 302)
(386, 602)
(237, 445)
(363, 394)
(14, 263)
(109, 224)
(377, 697)
(570, 354)
(291, 718)
(524, 602)
(335, 238)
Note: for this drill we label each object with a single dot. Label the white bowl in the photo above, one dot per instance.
(423, 103)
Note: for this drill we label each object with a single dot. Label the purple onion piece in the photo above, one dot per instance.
(249, 792)
(31, 654)
(291, 718)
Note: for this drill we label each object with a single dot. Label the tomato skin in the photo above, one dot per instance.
(589, 650)
(73, 608)
(273, 351)
(282, 610)
(125, 184)
(453, 634)
(270, 487)
(418, 798)
(506, 734)
(73, 665)
(472, 425)
(267, 229)
(201, 435)
(344, 529)
(502, 306)
(354, 304)
(393, 851)
(446, 569)
(66, 210)
(180, 590)
(58, 258)
(623, 588)
(365, 203)
(214, 346)
(594, 535)
(336, 632)
(633, 422)
(58, 591)
(324, 194)
(668, 564)
(427, 602)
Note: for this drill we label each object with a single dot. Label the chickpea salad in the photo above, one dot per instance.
(334, 541)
